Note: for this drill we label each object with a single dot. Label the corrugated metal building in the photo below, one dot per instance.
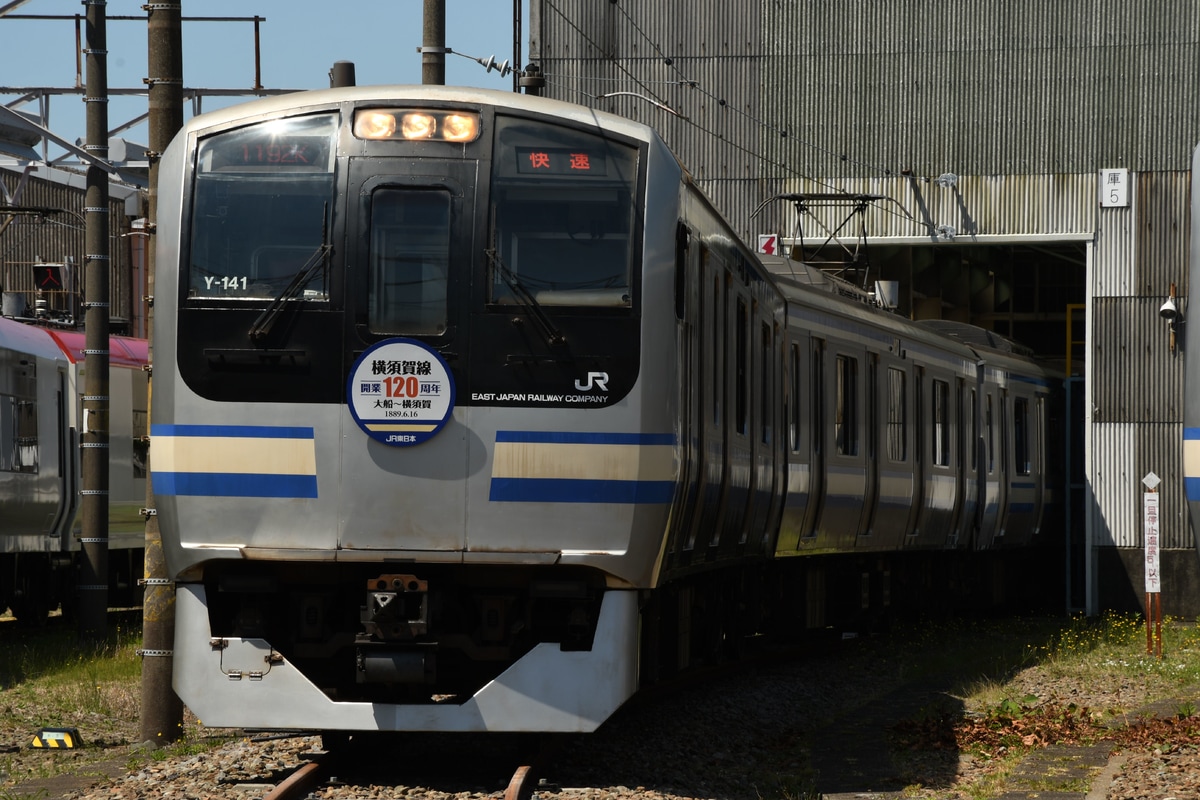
(1032, 162)
(57, 237)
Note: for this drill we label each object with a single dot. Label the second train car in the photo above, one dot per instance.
(473, 414)
(41, 378)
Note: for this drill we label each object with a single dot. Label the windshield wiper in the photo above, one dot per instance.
(525, 297)
(319, 258)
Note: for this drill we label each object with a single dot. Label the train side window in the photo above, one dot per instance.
(563, 215)
(18, 434)
(718, 317)
(990, 432)
(765, 393)
(1021, 435)
(741, 366)
(1039, 427)
(972, 432)
(794, 419)
(409, 261)
(817, 393)
(1002, 418)
(845, 420)
(897, 433)
(941, 423)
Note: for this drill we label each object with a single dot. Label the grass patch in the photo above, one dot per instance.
(1039, 694)
(47, 678)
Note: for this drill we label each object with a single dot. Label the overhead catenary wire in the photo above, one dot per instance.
(690, 83)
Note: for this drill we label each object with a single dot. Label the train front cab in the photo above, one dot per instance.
(547, 486)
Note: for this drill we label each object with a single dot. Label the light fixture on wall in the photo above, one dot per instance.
(947, 180)
(1170, 312)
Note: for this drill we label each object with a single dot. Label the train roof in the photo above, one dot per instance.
(801, 282)
(976, 337)
(22, 337)
(122, 350)
(26, 337)
(797, 273)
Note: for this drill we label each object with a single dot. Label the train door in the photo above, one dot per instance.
(989, 482)
(915, 516)
(871, 424)
(798, 499)
(692, 315)
(767, 455)
(845, 461)
(710, 399)
(414, 256)
(958, 458)
(776, 434)
(738, 468)
(968, 519)
(1024, 478)
(815, 400)
(894, 456)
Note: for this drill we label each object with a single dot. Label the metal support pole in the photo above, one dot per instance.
(516, 45)
(433, 44)
(162, 711)
(93, 575)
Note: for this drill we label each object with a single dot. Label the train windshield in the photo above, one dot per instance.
(261, 210)
(562, 216)
(410, 261)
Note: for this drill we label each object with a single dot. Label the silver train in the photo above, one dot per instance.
(41, 380)
(473, 415)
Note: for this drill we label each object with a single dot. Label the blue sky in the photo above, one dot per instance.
(300, 41)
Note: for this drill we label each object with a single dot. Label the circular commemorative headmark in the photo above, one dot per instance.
(400, 392)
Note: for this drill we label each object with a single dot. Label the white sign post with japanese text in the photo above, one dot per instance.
(1153, 575)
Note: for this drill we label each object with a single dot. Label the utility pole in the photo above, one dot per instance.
(433, 44)
(93, 577)
(162, 710)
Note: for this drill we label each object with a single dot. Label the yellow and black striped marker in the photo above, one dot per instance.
(57, 739)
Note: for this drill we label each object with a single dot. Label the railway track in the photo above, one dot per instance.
(450, 764)
(470, 764)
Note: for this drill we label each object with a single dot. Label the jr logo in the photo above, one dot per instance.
(596, 379)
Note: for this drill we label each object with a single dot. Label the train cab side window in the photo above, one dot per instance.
(1021, 435)
(409, 261)
(941, 423)
(260, 212)
(846, 417)
(563, 219)
(897, 435)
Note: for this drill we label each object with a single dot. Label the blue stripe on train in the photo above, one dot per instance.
(559, 490)
(232, 484)
(234, 431)
(1192, 485)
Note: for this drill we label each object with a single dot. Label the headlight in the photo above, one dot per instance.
(374, 125)
(413, 124)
